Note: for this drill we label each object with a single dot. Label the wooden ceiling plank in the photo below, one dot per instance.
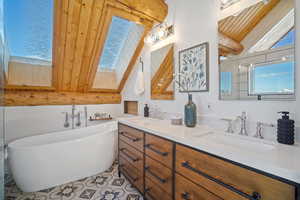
(61, 43)
(73, 23)
(258, 17)
(95, 27)
(58, 14)
(85, 17)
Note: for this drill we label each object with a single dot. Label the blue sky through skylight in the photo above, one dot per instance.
(28, 27)
(117, 35)
(288, 39)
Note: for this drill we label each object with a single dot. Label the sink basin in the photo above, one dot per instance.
(240, 142)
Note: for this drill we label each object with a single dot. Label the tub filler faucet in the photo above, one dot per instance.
(243, 119)
(66, 124)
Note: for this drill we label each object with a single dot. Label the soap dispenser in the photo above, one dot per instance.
(286, 129)
(146, 111)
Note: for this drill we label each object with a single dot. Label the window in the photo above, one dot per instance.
(121, 42)
(288, 39)
(28, 27)
(271, 78)
(28, 32)
(226, 83)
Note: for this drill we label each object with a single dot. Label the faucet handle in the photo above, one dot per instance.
(230, 124)
(259, 128)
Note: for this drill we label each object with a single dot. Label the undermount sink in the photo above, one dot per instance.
(240, 142)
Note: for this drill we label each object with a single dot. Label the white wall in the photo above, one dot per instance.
(195, 23)
(26, 121)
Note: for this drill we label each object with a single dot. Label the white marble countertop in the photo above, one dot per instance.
(271, 157)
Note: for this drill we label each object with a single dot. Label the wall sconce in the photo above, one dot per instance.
(159, 33)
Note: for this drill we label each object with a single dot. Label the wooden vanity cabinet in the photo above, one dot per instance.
(131, 155)
(164, 170)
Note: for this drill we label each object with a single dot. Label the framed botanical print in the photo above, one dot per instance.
(194, 68)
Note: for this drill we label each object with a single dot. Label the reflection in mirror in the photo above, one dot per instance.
(28, 42)
(162, 69)
(256, 49)
(121, 42)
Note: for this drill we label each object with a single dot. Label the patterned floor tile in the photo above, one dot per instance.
(104, 186)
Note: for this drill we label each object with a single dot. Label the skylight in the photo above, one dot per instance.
(122, 33)
(28, 28)
(288, 39)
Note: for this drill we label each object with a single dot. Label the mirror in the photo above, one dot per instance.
(257, 50)
(162, 69)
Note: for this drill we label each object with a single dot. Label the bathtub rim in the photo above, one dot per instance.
(12, 145)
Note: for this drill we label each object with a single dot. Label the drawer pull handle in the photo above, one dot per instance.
(128, 174)
(149, 146)
(162, 180)
(255, 195)
(123, 150)
(133, 139)
(147, 191)
(185, 196)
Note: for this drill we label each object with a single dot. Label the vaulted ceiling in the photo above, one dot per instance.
(80, 30)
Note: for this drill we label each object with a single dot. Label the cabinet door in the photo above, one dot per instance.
(227, 180)
(131, 136)
(187, 190)
(159, 149)
(159, 174)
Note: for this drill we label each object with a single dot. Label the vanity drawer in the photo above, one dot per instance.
(159, 149)
(159, 174)
(226, 179)
(152, 192)
(188, 190)
(133, 156)
(132, 136)
(134, 176)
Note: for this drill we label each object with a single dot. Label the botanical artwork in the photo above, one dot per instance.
(193, 69)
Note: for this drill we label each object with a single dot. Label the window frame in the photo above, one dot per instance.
(111, 11)
(270, 95)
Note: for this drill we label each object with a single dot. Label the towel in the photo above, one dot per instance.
(140, 84)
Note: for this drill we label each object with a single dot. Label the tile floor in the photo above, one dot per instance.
(104, 186)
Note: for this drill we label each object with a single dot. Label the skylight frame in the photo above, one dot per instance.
(112, 11)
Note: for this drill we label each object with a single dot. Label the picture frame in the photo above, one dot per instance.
(194, 68)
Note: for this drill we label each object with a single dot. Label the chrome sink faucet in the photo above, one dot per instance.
(243, 119)
(259, 129)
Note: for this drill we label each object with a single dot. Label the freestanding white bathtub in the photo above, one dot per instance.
(44, 161)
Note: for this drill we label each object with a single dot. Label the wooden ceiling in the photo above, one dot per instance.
(236, 28)
(80, 30)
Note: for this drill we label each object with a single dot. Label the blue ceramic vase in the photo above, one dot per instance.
(190, 113)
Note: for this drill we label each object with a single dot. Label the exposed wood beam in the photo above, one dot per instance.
(227, 44)
(28, 88)
(155, 9)
(37, 98)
